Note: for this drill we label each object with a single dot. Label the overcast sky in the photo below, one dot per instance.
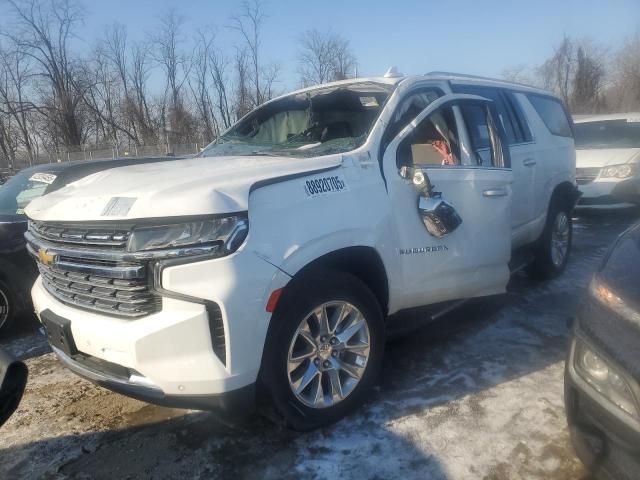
(478, 37)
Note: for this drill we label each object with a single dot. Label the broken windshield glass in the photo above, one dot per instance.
(318, 122)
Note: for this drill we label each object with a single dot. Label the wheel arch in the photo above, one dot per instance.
(363, 262)
(565, 192)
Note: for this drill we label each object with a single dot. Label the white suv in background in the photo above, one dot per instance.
(282, 255)
(607, 159)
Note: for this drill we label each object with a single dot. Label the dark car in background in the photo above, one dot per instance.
(602, 374)
(17, 268)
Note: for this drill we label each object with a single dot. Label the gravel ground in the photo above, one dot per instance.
(476, 395)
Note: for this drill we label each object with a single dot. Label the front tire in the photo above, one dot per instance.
(552, 252)
(325, 349)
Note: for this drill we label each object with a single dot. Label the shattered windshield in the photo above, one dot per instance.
(318, 122)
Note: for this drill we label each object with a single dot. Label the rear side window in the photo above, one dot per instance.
(553, 114)
(519, 119)
(477, 118)
(504, 114)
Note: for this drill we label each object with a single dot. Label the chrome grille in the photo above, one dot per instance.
(586, 175)
(129, 298)
(86, 271)
(89, 236)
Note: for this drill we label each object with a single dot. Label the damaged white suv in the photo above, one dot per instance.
(279, 256)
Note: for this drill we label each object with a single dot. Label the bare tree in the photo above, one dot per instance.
(588, 82)
(243, 103)
(138, 105)
(558, 71)
(55, 99)
(199, 84)
(576, 72)
(271, 76)
(219, 65)
(324, 57)
(624, 91)
(249, 24)
(43, 32)
(15, 107)
(175, 64)
(344, 63)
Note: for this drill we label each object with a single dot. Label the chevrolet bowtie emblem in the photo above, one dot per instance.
(45, 257)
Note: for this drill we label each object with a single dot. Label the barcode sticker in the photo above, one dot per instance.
(118, 207)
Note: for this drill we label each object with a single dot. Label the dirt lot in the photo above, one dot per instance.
(477, 395)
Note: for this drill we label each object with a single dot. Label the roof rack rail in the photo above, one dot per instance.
(478, 77)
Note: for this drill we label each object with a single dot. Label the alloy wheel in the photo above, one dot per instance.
(328, 354)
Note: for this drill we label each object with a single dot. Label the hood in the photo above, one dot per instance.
(199, 186)
(603, 157)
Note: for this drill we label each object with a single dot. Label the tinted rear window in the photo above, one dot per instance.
(504, 114)
(553, 114)
(608, 134)
(520, 121)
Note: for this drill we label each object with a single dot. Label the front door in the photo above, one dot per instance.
(457, 145)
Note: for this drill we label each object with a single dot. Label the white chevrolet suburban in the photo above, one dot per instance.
(279, 256)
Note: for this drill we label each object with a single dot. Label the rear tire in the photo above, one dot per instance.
(551, 254)
(318, 374)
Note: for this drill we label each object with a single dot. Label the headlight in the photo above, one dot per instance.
(223, 235)
(618, 171)
(605, 378)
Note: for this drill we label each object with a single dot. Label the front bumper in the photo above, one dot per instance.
(169, 355)
(605, 438)
(603, 194)
(234, 402)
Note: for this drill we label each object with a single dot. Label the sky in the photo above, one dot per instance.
(417, 36)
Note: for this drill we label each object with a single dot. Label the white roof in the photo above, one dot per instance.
(444, 76)
(608, 116)
(496, 82)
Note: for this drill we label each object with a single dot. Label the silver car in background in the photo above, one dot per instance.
(607, 159)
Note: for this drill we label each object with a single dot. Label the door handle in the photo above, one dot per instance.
(498, 192)
(529, 162)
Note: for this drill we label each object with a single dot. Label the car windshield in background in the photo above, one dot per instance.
(608, 134)
(314, 123)
(19, 190)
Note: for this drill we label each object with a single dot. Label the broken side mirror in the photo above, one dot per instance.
(439, 217)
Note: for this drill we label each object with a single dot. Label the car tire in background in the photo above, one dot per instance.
(324, 349)
(8, 306)
(552, 250)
